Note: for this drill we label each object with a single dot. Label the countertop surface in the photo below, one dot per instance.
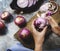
(7, 40)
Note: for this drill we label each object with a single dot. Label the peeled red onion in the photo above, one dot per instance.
(2, 25)
(20, 21)
(40, 23)
(22, 3)
(24, 33)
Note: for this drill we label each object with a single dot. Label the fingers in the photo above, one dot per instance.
(44, 30)
(51, 21)
(35, 31)
(49, 18)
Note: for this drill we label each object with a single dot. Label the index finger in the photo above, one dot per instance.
(51, 21)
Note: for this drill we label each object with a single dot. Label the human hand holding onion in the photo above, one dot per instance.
(38, 37)
(54, 25)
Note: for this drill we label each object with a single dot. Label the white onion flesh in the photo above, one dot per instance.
(30, 3)
(22, 3)
(34, 2)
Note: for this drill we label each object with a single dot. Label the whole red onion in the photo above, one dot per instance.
(40, 23)
(20, 21)
(6, 15)
(2, 25)
(24, 33)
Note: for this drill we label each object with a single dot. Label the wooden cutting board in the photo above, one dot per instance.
(56, 16)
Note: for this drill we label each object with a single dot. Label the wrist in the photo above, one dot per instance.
(38, 47)
(57, 30)
(39, 43)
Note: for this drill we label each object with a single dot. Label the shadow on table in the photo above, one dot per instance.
(3, 31)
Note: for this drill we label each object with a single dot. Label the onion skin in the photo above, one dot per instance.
(2, 25)
(20, 21)
(40, 23)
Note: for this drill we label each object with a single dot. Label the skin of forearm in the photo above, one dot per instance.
(38, 47)
(57, 30)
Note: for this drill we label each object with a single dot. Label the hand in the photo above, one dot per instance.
(38, 36)
(54, 25)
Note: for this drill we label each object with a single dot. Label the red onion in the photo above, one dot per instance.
(26, 3)
(24, 33)
(22, 3)
(5, 15)
(20, 21)
(40, 23)
(35, 1)
(49, 13)
(2, 25)
(30, 3)
(25, 6)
